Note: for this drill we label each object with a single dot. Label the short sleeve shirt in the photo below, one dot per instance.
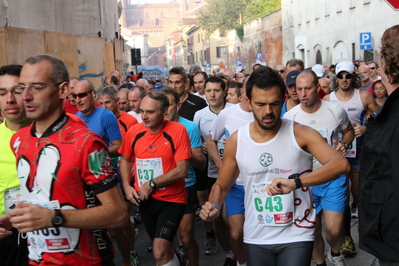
(154, 151)
(68, 166)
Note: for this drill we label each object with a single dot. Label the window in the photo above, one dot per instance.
(220, 51)
(147, 16)
(162, 15)
(155, 60)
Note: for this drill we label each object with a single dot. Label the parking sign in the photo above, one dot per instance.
(365, 41)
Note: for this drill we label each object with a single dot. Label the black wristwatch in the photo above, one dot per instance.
(152, 184)
(346, 146)
(57, 218)
(297, 180)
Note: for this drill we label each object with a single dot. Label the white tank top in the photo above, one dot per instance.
(354, 107)
(259, 164)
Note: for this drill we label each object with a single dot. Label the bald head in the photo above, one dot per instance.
(365, 71)
(123, 100)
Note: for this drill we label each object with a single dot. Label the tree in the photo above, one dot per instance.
(259, 8)
(226, 14)
(221, 14)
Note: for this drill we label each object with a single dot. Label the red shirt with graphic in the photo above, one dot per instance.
(64, 168)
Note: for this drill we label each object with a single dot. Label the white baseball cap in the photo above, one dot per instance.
(319, 70)
(347, 66)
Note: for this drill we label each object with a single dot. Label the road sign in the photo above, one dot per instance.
(208, 65)
(394, 4)
(365, 41)
(239, 63)
(258, 55)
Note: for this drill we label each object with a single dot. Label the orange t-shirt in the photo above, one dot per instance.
(126, 121)
(156, 154)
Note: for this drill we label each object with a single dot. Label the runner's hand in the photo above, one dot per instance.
(208, 212)
(145, 191)
(30, 217)
(132, 195)
(5, 226)
(281, 186)
(359, 130)
(340, 148)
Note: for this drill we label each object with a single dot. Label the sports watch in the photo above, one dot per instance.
(152, 184)
(298, 182)
(57, 218)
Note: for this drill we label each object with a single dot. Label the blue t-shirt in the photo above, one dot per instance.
(104, 123)
(283, 108)
(195, 140)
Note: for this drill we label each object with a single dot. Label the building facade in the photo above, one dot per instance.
(326, 32)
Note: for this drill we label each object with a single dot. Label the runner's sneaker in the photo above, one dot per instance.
(230, 262)
(354, 213)
(134, 258)
(182, 260)
(181, 251)
(210, 245)
(349, 247)
(149, 249)
(338, 260)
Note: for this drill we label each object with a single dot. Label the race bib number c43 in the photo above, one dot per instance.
(148, 169)
(272, 210)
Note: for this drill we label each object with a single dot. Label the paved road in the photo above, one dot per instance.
(362, 258)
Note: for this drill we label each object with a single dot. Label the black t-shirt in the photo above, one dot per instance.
(191, 105)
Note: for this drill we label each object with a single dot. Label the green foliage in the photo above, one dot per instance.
(226, 14)
(221, 14)
(259, 8)
(240, 31)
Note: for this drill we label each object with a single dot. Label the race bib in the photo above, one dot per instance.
(148, 169)
(52, 239)
(220, 146)
(324, 133)
(272, 210)
(11, 197)
(351, 151)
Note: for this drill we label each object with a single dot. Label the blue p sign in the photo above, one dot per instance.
(365, 41)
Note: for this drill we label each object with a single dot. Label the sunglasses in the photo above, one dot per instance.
(80, 95)
(372, 68)
(281, 71)
(347, 76)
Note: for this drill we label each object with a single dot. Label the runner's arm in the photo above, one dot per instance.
(333, 163)
(213, 151)
(114, 147)
(228, 173)
(111, 213)
(177, 173)
(348, 135)
(125, 169)
(198, 159)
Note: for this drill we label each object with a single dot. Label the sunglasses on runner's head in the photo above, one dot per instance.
(347, 76)
(80, 95)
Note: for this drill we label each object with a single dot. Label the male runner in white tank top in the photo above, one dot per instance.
(273, 155)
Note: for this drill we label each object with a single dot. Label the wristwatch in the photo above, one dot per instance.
(152, 184)
(346, 146)
(297, 180)
(57, 218)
